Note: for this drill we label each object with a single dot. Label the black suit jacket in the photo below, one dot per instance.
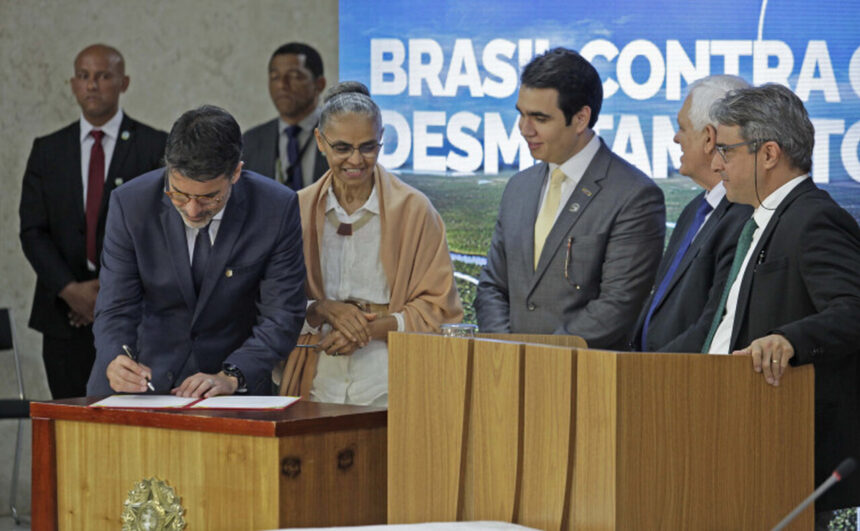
(803, 281)
(261, 150)
(682, 318)
(53, 221)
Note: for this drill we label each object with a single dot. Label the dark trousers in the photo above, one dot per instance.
(68, 362)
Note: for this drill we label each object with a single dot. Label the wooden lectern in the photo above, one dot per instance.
(557, 437)
(309, 465)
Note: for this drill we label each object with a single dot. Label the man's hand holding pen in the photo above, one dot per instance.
(127, 375)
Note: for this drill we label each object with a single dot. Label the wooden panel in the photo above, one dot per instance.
(428, 377)
(490, 477)
(548, 424)
(44, 476)
(339, 480)
(557, 340)
(705, 443)
(593, 502)
(224, 481)
(301, 417)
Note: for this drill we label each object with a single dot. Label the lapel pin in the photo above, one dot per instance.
(125, 135)
(117, 181)
(587, 192)
(228, 273)
(574, 207)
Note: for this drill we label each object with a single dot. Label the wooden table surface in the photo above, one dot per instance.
(301, 417)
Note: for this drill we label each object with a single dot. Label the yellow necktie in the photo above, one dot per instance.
(546, 216)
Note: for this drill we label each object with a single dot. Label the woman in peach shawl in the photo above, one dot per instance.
(376, 258)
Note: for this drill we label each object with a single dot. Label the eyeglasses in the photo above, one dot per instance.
(182, 199)
(344, 150)
(722, 149)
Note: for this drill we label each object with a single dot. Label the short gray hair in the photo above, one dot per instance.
(704, 92)
(349, 97)
(770, 113)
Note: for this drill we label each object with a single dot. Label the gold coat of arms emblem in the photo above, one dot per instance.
(152, 505)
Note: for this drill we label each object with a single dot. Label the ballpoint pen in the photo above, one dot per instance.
(130, 354)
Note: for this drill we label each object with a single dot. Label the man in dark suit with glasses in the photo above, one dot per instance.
(203, 271)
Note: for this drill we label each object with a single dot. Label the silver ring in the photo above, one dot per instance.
(774, 361)
(210, 381)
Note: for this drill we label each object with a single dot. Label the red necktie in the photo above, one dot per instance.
(95, 187)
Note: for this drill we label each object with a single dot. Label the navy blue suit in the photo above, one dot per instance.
(683, 316)
(252, 299)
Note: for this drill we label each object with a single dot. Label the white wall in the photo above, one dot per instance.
(179, 54)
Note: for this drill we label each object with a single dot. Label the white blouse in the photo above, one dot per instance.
(352, 270)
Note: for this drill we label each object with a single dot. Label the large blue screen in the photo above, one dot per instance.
(446, 73)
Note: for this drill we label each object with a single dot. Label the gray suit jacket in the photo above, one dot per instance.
(261, 150)
(597, 264)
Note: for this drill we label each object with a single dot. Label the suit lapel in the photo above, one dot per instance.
(229, 231)
(681, 227)
(696, 246)
(586, 190)
(270, 148)
(76, 186)
(759, 255)
(121, 149)
(531, 195)
(173, 229)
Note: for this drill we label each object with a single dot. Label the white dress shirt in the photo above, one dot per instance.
(309, 157)
(191, 233)
(111, 133)
(352, 270)
(723, 336)
(573, 168)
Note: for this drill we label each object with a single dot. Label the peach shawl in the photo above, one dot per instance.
(414, 256)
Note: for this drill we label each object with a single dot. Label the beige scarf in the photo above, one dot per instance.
(414, 255)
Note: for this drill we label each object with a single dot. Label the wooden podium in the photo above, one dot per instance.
(557, 437)
(309, 465)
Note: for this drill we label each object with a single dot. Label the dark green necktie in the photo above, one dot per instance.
(744, 242)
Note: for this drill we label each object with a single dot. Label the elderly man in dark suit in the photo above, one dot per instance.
(579, 235)
(793, 292)
(202, 272)
(284, 148)
(676, 316)
(64, 201)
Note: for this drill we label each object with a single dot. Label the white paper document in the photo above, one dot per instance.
(145, 401)
(246, 402)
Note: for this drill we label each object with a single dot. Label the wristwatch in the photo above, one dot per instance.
(231, 370)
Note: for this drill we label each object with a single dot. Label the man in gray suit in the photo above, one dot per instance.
(284, 148)
(579, 235)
